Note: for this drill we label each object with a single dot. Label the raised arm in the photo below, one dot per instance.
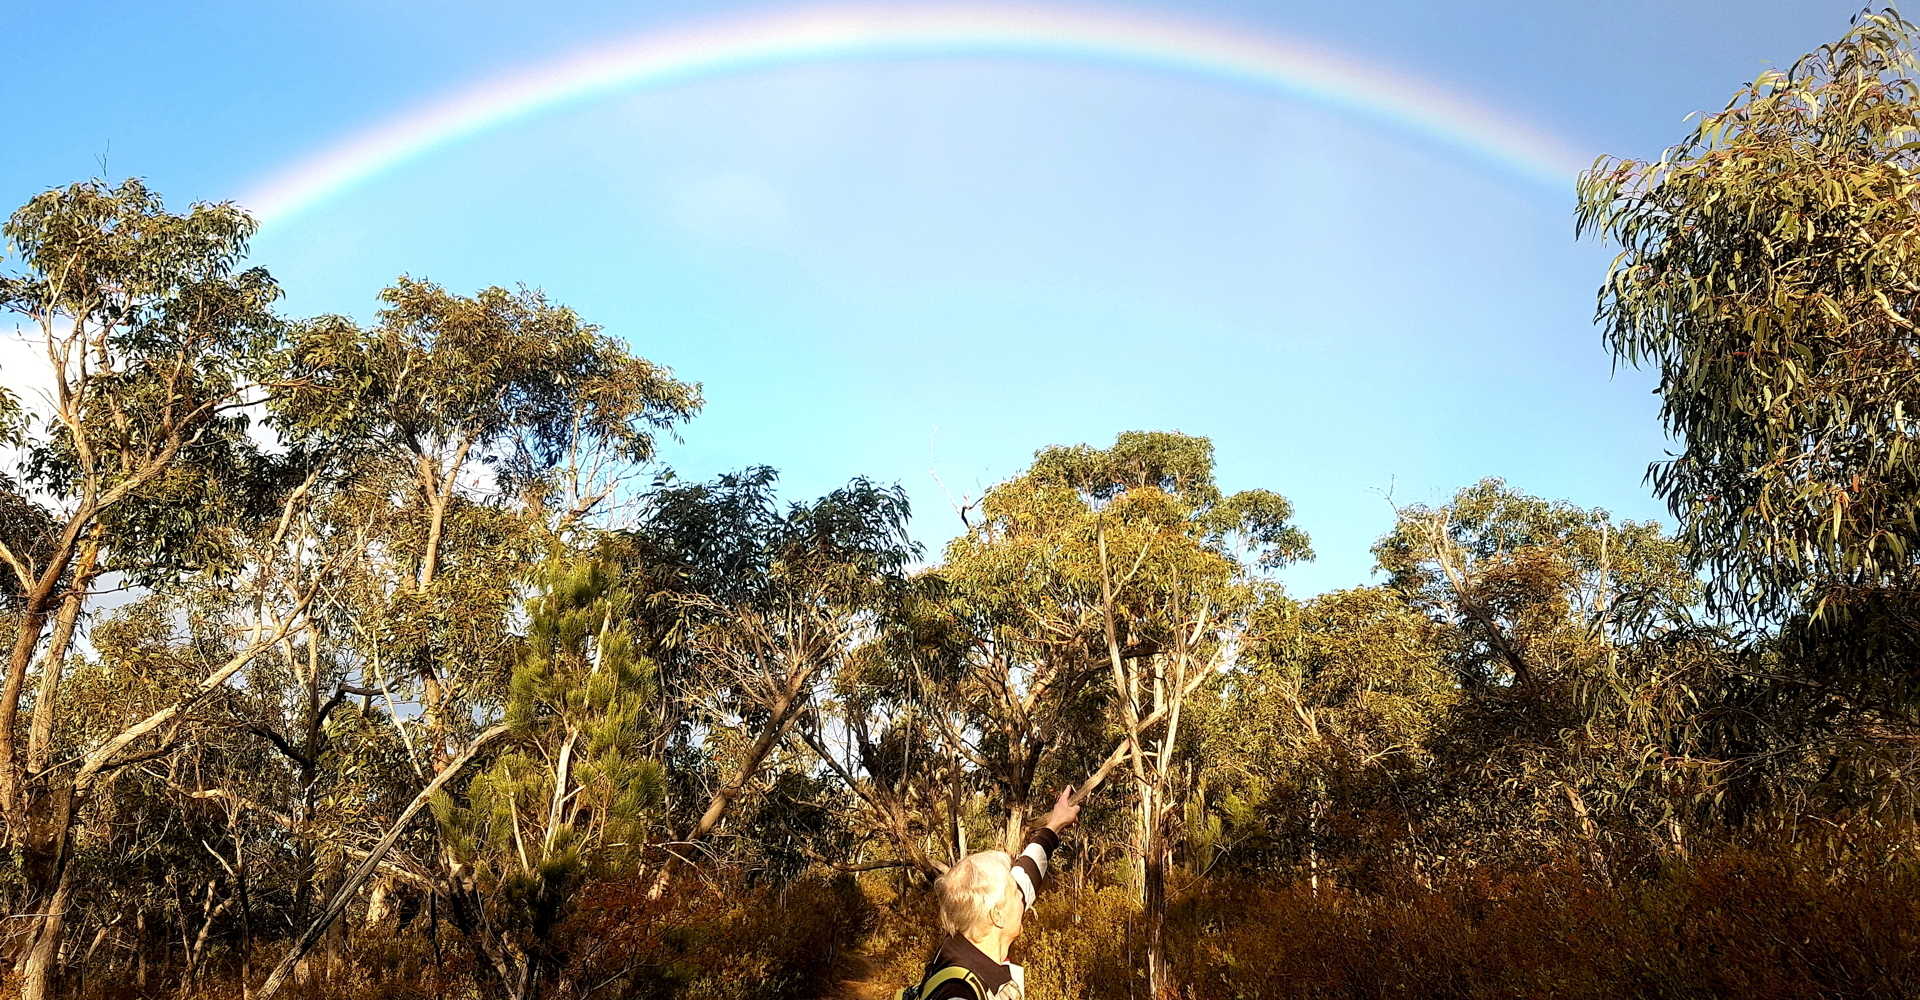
(1030, 868)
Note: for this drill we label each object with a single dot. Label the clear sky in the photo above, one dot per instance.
(921, 269)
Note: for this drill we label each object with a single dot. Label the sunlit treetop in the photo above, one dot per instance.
(157, 339)
(507, 376)
(1150, 500)
(1770, 273)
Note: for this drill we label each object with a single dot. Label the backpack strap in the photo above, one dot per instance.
(944, 975)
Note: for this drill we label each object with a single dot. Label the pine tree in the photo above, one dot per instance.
(574, 795)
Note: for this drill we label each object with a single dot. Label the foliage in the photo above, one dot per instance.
(1768, 271)
(1532, 587)
(574, 797)
(736, 943)
(156, 334)
(506, 374)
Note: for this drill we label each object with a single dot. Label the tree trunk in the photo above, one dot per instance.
(1016, 825)
(246, 919)
(1021, 795)
(956, 833)
(85, 962)
(46, 851)
(439, 488)
(1159, 981)
(779, 715)
(40, 979)
(1589, 833)
(210, 912)
(1142, 843)
(1316, 809)
(307, 774)
(46, 701)
(140, 950)
(35, 608)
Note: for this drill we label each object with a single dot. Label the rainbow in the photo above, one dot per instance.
(748, 42)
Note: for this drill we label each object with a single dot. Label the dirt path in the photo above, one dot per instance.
(865, 980)
(870, 970)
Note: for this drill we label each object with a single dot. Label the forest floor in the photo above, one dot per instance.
(866, 979)
(876, 967)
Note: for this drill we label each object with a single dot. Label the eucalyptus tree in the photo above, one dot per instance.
(470, 438)
(160, 875)
(476, 425)
(1768, 273)
(1532, 588)
(887, 728)
(152, 693)
(1017, 668)
(1132, 559)
(155, 340)
(1329, 711)
(769, 602)
(1553, 618)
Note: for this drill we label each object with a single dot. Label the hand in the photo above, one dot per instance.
(1065, 811)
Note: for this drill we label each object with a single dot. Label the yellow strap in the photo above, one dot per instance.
(949, 974)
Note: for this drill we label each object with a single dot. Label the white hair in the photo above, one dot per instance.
(972, 890)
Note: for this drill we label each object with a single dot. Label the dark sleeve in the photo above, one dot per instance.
(1030, 868)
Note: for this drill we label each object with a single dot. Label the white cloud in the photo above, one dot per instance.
(23, 366)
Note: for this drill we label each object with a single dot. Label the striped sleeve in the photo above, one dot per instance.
(1030, 868)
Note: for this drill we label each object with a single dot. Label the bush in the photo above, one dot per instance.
(1742, 925)
(708, 943)
(1764, 924)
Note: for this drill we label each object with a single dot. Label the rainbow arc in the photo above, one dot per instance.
(749, 42)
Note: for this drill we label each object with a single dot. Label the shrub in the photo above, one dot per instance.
(709, 943)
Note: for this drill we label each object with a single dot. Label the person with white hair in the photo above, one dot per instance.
(983, 899)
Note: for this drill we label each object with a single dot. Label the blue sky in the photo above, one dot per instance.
(921, 270)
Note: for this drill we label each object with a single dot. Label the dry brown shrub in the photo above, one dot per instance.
(714, 943)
